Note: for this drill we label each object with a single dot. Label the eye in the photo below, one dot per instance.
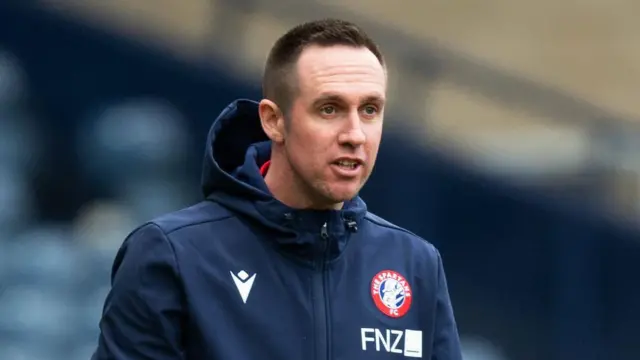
(328, 110)
(370, 110)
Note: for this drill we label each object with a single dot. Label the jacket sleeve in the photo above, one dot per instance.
(143, 312)
(446, 341)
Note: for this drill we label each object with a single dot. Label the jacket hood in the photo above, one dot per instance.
(235, 150)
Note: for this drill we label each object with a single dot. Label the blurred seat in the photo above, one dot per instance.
(16, 198)
(133, 139)
(30, 351)
(478, 348)
(48, 279)
(36, 319)
(44, 256)
(100, 228)
(13, 82)
(83, 351)
(20, 148)
(152, 196)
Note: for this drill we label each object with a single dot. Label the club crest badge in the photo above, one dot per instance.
(391, 293)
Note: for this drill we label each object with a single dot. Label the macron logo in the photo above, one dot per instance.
(243, 283)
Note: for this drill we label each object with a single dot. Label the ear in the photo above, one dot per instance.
(272, 119)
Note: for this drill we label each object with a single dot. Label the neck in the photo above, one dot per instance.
(287, 188)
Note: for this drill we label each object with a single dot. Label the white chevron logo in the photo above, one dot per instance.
(243, 283)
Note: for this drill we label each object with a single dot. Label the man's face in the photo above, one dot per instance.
(334, 124)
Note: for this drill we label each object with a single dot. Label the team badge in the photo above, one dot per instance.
(391, 293)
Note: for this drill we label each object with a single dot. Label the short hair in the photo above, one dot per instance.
(279, 83)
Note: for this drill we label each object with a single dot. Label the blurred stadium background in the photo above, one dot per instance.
(513, 144)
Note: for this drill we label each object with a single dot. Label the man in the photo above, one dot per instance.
(282, 260)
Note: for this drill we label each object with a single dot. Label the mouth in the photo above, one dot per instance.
(348, 165)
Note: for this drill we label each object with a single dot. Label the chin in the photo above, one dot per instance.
(341, 194)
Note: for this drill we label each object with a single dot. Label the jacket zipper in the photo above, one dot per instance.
(320, 298)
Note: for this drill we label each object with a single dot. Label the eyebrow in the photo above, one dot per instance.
(376, 99)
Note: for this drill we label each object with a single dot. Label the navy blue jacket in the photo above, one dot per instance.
(240, 276)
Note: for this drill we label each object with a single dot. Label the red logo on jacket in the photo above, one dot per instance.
(391, 293)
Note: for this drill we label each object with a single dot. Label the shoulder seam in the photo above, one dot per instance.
(398, 228)
(390, 226)
(198, 223)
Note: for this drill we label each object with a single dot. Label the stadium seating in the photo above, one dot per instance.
(531, 277)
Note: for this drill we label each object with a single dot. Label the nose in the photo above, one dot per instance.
(353, 135)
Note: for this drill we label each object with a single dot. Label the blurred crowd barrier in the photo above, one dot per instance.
(104, 109)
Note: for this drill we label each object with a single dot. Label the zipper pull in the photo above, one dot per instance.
(352, 226)
(324, 241)
(324, 233)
